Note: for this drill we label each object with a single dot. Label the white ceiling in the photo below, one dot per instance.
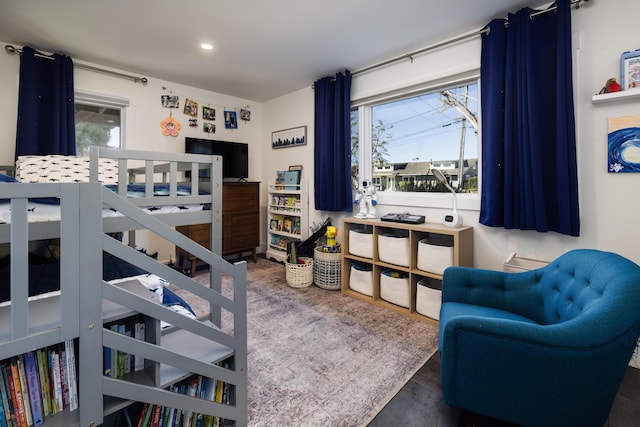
(263, 48)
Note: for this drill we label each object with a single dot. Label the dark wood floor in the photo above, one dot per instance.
(420, 403)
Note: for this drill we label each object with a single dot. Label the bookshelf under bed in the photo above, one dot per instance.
(79, 313)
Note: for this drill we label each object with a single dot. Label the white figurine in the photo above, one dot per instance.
(367, 199)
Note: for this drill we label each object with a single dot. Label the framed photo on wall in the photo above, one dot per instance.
(289, 137)
(630, 70)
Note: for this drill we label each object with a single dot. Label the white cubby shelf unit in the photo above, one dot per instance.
(400, 266)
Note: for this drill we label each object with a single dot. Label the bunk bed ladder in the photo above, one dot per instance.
(219, 345)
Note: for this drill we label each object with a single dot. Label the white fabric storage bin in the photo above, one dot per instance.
(394, 289)
(435, 253)
(429, 297)
(361, 243)
(394, 249)
(361, 281)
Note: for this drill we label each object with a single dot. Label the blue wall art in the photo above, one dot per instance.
(624, 144)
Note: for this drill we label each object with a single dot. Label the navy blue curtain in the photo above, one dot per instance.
(332, 139)
(529, 169)
(46, 117)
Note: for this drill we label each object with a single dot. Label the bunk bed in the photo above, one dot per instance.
(88, 215)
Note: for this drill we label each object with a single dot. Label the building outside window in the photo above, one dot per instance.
(408, 136)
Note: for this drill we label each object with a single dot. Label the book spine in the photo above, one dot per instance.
(128, 356)
(156, 416)
(52, 386)
(71, 374)
(148, 416)
(24, 389)
(33, 384)
(57, 382)
(63, 379)
(106, 361)
(142, 414)
(3, 416)
(139, 332)
(43, 373)
(17, 395)
(5, 395)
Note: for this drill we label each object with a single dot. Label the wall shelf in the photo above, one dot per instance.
(616, 96)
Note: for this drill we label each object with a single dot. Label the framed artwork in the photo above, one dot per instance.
(170, 101)
(208, 113)
(245, 114)
(289, 137)
(190, 108)
(230, 120)
(208, 127)
(623, 137)
(630, 70)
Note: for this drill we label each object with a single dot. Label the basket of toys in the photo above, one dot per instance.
(327, 268)
(300, 273)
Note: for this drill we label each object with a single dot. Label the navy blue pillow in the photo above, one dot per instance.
(7, 178)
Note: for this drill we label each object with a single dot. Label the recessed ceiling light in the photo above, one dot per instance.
(206, 46)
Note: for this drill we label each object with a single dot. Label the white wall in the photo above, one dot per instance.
(608, 203)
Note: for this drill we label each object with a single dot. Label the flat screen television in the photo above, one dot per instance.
(235, 155)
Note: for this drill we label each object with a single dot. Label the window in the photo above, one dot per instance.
(409, 136)
(99, 121)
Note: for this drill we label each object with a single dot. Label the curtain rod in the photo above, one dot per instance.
(476, 33)
(17, 51)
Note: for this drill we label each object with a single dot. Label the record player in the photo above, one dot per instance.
(406, 218)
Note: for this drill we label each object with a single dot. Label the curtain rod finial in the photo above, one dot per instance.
(10, 49)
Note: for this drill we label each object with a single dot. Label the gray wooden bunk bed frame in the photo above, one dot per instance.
(85, 301)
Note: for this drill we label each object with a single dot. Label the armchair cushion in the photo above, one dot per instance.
(545, 347)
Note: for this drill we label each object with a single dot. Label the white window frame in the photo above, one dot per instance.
(465, 201)
(103, 100)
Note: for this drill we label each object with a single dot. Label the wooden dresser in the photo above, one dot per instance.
(240, 223)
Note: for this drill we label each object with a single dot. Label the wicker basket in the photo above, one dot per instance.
(300, 275)
(327, 268)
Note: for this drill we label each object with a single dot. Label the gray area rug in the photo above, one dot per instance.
(320, 358)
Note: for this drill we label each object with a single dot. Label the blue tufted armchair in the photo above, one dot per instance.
(547, 347)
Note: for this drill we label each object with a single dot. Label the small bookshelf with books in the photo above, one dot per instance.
(198, 387)
(38, 384)
(288, 213)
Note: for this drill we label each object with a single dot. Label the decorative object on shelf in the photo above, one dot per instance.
(623, 138)
(289, 137)
(190, 108)
(450, 219)
(630, 69)
(170, 126)
(230, 119)
(610, 86)
(367, 199)
(292, 179)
